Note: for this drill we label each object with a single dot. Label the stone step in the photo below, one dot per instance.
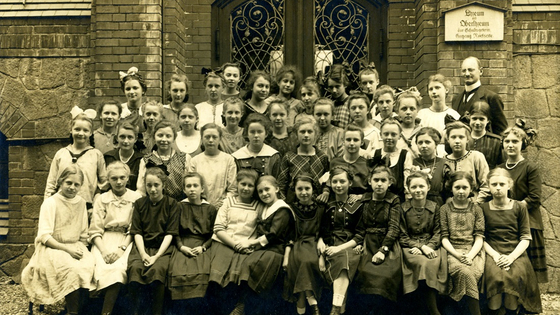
(4, 216)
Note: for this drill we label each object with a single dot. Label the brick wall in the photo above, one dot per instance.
(425, 58)
(400, 43)
(126, 33)
(175, 40)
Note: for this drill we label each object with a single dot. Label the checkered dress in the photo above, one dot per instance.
(294, 164)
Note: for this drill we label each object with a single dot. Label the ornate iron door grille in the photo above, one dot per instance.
(341, 34)
(257, 35)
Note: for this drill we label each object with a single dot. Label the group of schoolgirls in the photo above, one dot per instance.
(369, 207)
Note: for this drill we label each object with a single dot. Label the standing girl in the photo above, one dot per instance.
(384, 99)
(337, 82)
(482, 140)
(61, 266)
(189, 267)
(337, 238)
(153, 113)
(310, 92)
(434, 116)
(232, 135)
(330, 139)
(274, 229)
(527, 190)
(216, 167)
(109, 233)
(134, 88)
(358, 106)
(427, 162)
(424, 260)
(509, 275)
(462, 235)
(282, 138)
(155, 221)
(256, 155)
(188, 139)
(379, 271)
(259, 89)
(231, 73)
(104, 136)
(165, 156)
(304, 280)
(211, 110)
(408, 104)
(177, 95)
(469, 161)
(126, 152)
(288, 80)
(84, 156)
(398, 160)
(234, 230)
(305, 158)
(369, 80)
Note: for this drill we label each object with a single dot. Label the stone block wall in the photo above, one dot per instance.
(536, 84)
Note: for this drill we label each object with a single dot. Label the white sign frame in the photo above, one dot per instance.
(474, 22)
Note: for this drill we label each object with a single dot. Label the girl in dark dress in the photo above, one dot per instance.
(189, 268)
(508, 273)
(304, 279)
(126, 152)
(282, 139)
(379, 271)
(258, 86)
(424, 260)
(483, 140)
(154, 224)
(337, 238)
(261, 269)
(527, 190)
(427, 162)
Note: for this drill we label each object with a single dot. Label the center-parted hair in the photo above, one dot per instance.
(498, 171)
(459, 175)
(117, 165)
(431, 132)
(72, 169)
(180, 78)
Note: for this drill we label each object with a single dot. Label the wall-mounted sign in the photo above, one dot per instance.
(474, 21)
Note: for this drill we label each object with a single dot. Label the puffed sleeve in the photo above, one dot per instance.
(478, 221)
(97, 226)
(47, 216)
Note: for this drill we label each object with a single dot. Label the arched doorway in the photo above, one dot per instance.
(266, 34)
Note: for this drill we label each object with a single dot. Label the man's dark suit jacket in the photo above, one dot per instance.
(499, 122)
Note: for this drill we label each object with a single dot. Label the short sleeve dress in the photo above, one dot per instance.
(52, 273)
(504, 230)
(111, 219)
(461, 226)
(153, 221)
(188, 276)
(419, 227)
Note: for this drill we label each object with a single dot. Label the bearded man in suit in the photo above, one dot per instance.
(471, 70)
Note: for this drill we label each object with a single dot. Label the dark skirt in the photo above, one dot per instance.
(188, 276)
(520, 281)
(383, 279)
(344, 260)
(261, 268)
(537, 255)
(303, 270)
(225, 264)
(419, 267)
(137, 272)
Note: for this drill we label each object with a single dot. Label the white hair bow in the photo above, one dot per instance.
(131, 71)
(88, 112)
